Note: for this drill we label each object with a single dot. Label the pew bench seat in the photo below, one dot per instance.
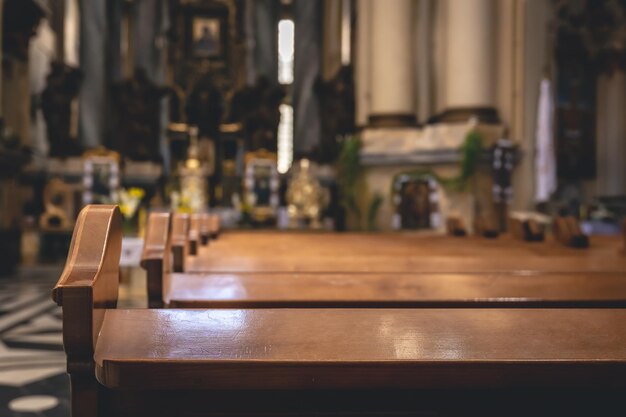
(317, 253)
(285, 290)
(318, 349)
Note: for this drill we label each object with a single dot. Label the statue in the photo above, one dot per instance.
(306, 198)
(137, 102)
(20, 19)
(205, 107)
(257, 109)
(63, 86)
(337, 107)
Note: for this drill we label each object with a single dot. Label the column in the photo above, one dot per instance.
(391, 62)
(307, 18)
(470, 63)
(93, 27)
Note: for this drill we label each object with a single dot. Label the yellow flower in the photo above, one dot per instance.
(136, 192)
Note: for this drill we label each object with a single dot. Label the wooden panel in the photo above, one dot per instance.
(180, 241)
(87, 286)
(362, 252)
(361, 348)
(194, 233)
(155, 258)
(280, 290)
(215, 225)
(205, 228)
(90, 278)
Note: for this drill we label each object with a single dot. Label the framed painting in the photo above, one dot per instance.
(207, 34)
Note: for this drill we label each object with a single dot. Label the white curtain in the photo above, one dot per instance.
(545, 160)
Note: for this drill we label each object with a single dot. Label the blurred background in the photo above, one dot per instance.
(335, 114)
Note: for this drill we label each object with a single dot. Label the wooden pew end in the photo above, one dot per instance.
(455, 227)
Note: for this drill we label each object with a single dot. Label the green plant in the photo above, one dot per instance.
(471, 152)
(352, 185)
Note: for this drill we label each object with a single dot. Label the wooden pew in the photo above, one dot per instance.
(215, 225)
(205, 228)
(86, 289)
(568, 232)
(389, 252)
(280, 289)
(156, 256)
(408, 290)
(180, 241)
(327, 362)
(194, 233)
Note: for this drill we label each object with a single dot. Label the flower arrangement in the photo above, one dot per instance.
(129, 201)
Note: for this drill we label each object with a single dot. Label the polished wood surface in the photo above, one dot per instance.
(87, 286)
(194, 233)
(155, 258)
(491, 290)
(361, 348)
(205, 228)
(215, 225)
(180, 241)
(209, 361)
(399, 252)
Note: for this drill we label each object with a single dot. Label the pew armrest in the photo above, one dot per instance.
(89, 282)
(155, 258)
(180, 241)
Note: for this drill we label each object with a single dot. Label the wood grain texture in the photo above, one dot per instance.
(399, 252)
(362, 349)
(380, 290)
(87, 286)
(155, 258)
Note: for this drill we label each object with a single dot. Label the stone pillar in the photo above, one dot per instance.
(93, 93)
(307, 19)
(470, 63)
(391, 61)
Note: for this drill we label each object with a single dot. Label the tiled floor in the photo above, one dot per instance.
(32, 362)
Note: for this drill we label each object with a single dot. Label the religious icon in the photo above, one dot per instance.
(206, 39)
(416, 203)
(101, 175)
(261, 185)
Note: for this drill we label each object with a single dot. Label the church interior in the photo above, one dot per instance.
(312, 207)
